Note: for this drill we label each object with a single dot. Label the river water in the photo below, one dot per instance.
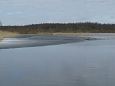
(87, 63)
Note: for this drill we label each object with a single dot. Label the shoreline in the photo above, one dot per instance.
(93, 35)
(44, 39)
(85, 34)
(6, 34)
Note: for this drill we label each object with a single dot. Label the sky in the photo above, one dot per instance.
(21, 12)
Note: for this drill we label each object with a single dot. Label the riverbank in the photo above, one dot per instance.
(16, 40)
(85, 34)
(90, 35)
(6, 34)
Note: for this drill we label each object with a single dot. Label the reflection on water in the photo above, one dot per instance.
(38, 40)
(89, 63)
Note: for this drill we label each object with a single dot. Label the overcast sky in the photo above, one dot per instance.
(17, 12)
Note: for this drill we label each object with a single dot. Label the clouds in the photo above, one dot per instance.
(36, 11)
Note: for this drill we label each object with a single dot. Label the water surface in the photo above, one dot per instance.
(88, 63)
(38, 40)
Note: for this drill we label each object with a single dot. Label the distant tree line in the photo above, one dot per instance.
(61, 27)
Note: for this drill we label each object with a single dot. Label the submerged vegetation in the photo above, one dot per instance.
(61, 27)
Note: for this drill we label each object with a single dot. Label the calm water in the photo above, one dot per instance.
(88, 63)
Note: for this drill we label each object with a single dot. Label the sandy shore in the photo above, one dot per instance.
(5, 34)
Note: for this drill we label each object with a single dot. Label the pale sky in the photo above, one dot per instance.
(18, 12)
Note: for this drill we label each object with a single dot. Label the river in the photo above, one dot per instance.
(86, 63)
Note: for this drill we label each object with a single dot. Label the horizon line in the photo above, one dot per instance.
(55, 23)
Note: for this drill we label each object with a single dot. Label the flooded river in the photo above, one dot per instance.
(86, 63)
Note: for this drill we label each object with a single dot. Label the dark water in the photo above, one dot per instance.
(38, 40)
(88, 63)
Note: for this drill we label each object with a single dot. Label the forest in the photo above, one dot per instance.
(86, 27)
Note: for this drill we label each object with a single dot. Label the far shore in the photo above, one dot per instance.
(15, 40)
(92, 35)
(85, 34)
(6, 34)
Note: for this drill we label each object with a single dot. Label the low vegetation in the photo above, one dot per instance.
(4, 34)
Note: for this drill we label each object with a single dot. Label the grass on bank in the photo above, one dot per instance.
(6, 34)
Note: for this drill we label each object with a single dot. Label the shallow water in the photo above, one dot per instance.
(88, 63)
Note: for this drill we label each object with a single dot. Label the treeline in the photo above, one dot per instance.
(61, 27)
